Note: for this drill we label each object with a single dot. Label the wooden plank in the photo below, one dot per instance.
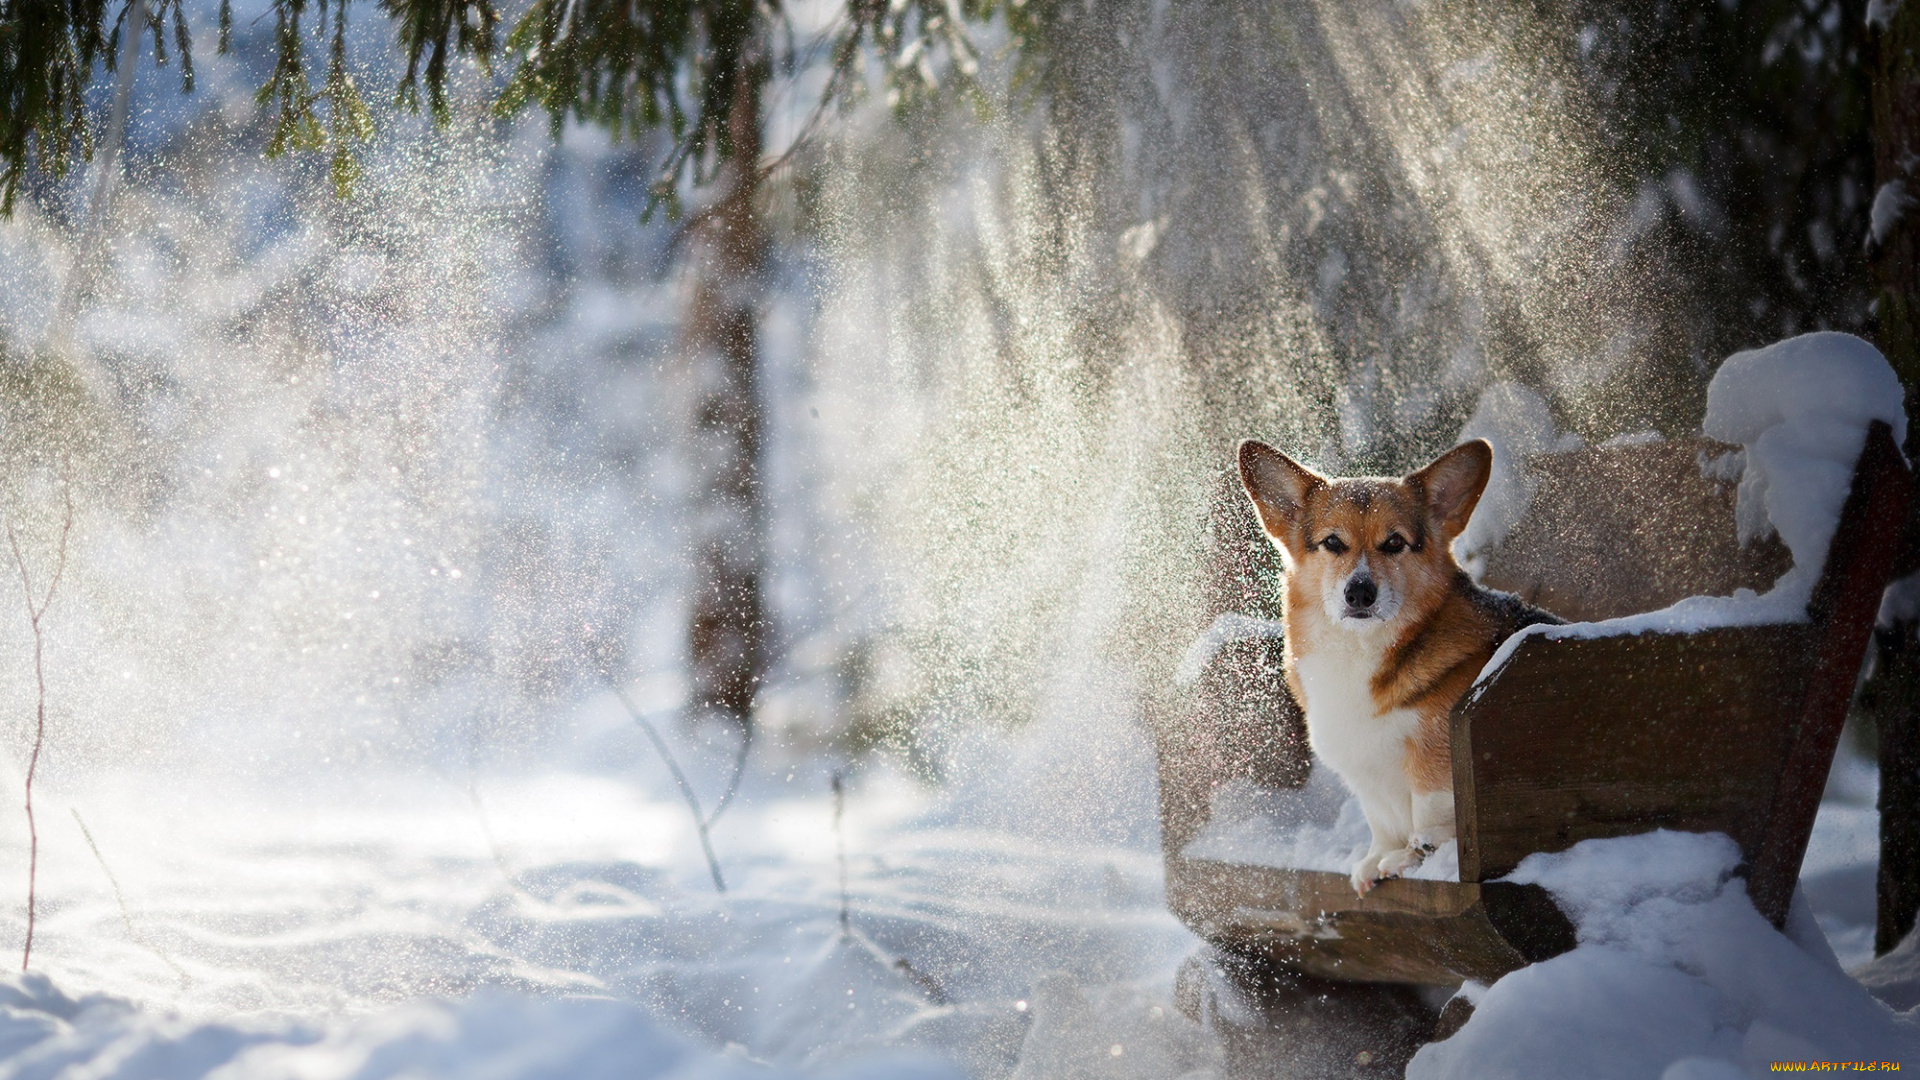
(1908, 561)
(1580, 738)
(1866, 543)
(1617, 530)
(1212, 889)
(1240, 723)
(1430, 932)
(1730, 730)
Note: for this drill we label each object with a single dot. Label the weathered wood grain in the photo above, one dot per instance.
(1429, 932)
(1239, 721)
(1593, 737)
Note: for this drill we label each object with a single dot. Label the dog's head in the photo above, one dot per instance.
(1366, 548)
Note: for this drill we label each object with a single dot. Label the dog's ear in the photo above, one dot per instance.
(1453, 484)
(1278, 486)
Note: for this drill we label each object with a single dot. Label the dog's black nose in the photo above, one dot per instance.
(1361, 593)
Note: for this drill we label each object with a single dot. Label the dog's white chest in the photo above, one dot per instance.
(1365, 746)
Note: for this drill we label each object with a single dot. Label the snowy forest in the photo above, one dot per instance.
(701, 538)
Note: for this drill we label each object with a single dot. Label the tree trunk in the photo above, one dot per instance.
(1896, 260)
(728, 633)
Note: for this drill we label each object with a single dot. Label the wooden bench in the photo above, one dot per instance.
(1730, 729)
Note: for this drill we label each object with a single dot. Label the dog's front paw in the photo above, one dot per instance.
(1428, 841)
(1366, 874)
(1395, 863)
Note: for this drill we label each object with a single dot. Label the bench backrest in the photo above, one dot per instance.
(1617, 530)
(1730, 730)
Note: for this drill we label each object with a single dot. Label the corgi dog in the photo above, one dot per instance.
(1384, 632)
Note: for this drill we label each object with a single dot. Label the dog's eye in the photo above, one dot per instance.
(1333, 545)
(1393, 545)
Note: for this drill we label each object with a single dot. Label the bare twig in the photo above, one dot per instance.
(479, 808)
(678, 238)
(929, 986)
(486, 831)
(936, 993)
(471, 788)
(841, 72)
(35, 611)
(840, 848)
(121, 899)
(701, 822)
(739, 770)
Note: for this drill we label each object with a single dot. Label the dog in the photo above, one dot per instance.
(1383, 632)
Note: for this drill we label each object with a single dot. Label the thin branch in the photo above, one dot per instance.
(936, 994)
(830, 94)
(34, 615)
(739, 770)
(121, 899)
(678, 238)
(26, 583)
(66, 529)
(479, 808)
(840, 849)
(471, 789)
(486, 831)
(670, 169)
(700, 821)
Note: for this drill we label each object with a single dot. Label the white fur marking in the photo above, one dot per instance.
(1365, 747)
(1386, 603)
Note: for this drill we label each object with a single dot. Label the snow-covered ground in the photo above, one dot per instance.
(560, 921)
(556, 921)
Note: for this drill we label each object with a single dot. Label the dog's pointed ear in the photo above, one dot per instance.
(1278, 486)
(1454, 483)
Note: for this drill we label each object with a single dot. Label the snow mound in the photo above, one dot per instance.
(1895, 977)
(1800, 408)
(495, 1036)
(1901, 602)
(1226, 628)
(1675, 976)
(1601, 884)
(1890, 203)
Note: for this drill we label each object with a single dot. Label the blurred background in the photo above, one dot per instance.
(402, 473)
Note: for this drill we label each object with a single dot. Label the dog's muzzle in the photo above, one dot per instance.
(1360, 595)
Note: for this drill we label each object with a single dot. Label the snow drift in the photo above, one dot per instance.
(1676, 976)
